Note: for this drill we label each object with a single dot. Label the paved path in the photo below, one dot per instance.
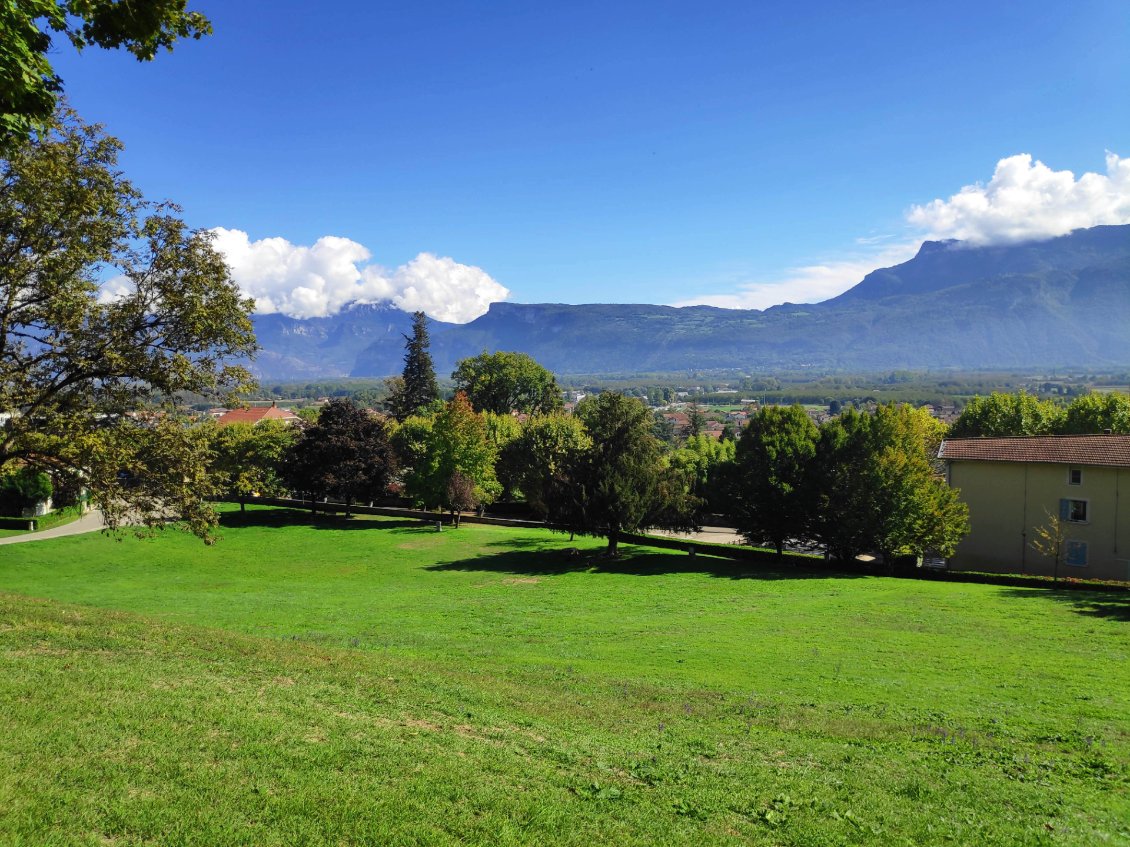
(90, 522)
(711, 534)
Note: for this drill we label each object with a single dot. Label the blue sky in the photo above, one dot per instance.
(735, 153)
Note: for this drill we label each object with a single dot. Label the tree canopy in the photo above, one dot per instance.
(617, 483)
(545, 454)
(29, 86)
(417, 388)
(876, 486)
(1020, 414)
(89, 371)
(1093, 414)
(504, 382)
(455, 442)
(345, 455)
(771, 499)
(250, 459)
(1002, 414)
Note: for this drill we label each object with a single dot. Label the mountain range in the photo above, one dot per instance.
(1062, 302)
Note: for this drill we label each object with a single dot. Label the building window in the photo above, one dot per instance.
(1073, 511)
(1074, 476)
(1075, 553)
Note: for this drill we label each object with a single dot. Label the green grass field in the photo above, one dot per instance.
(375, 682)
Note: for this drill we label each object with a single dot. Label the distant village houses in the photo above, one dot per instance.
(257, 414)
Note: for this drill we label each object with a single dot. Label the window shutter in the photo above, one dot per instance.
(1064, 510)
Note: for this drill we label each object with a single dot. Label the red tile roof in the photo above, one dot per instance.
(1103, 450)
(256, 414)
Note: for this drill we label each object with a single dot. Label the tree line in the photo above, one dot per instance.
(1021, 413)
(859, 482)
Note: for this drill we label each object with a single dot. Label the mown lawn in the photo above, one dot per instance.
(376, 682)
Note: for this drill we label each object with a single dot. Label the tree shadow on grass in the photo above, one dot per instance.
(1096, 604)
(633, 561)
(278, 518)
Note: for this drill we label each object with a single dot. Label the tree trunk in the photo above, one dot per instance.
(780, 545)
(613, 544)
(242, 503)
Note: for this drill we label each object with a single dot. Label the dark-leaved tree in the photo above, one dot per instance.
(346, 455)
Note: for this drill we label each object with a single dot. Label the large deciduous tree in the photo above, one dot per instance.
(29, 86)
(618, 484)
(345, 455)
(89, 370)
(456, 443)
(878, 488)
(918, 511)
(249, 459)
(507, 382)
(844, 513)
(502, 432)
(416, 388)
(772, 499)
(544, 456)
(709, 465)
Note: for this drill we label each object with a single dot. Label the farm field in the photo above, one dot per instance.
(374, 682)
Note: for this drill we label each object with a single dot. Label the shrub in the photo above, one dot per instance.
(22, 489)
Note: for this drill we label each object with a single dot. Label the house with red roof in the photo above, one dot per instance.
(1078, 484)
(257, 414)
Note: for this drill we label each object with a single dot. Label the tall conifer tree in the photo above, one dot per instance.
(418, 387)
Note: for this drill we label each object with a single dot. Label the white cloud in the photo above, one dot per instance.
(1027, 200)
(1024, 200)
(319, 280)
(440, 286)
(114, 289)
(808, 283)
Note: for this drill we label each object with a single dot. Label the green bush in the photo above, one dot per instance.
(22, 489)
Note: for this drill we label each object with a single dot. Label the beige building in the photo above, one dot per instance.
(1013, 485)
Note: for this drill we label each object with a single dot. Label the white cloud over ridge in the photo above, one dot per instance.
(1025, 200)
(320, 279)
(807, 283)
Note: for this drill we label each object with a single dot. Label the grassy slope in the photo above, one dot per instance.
(481, 686)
